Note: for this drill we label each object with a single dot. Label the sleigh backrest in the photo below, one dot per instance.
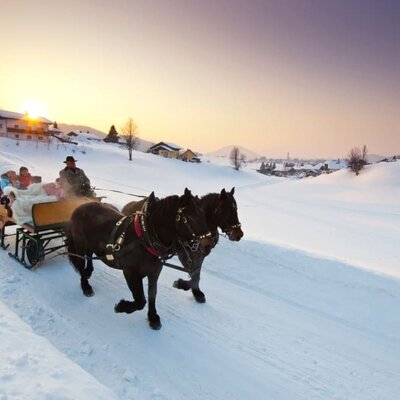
(56, 214)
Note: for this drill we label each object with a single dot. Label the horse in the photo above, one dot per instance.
(220, 211)
(137, 244)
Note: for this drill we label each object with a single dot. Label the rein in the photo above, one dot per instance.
(119, 191)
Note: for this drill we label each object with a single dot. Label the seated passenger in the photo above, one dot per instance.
(13, 178)
(74, 181)
(25, 178)
(4, 182)
(54, 189)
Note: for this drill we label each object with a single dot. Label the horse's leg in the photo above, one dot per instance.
(135, 284)
(78, 261)
(154, 319)
(197, 293)
(193, 283)
(89, 264)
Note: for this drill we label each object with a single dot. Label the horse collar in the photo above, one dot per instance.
(151, 242)
(140, 226)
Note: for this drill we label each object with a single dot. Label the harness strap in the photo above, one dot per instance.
(139, 233)
(115, 245)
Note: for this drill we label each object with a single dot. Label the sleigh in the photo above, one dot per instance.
(45, 234)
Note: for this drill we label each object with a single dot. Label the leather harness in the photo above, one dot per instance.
(152, 245)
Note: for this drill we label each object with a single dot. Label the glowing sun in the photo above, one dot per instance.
(34, 109)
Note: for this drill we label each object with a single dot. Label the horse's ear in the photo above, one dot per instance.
(188, 193)
(151, 199)
(223, 193)
(233, 191)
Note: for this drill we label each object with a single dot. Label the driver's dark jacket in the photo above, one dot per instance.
(73, 181)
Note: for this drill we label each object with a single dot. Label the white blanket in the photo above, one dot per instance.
(25, 199)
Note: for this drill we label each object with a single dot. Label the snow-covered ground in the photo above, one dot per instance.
(305, 306)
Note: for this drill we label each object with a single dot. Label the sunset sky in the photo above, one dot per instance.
(309, 77)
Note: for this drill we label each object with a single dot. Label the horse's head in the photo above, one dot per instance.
(191, 223)
(227, 215)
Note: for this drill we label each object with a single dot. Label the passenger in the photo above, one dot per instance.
(74, 181)
(54, 189)
(25, 178)
(13, 178)
(4, 182)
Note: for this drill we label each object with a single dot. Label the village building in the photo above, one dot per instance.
(168, 150)
(188, 155)
(21, 127)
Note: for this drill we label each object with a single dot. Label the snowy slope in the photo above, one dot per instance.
(303, 307)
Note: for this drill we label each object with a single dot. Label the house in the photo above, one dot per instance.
(188, 155)
(21, 127)
(168, 150)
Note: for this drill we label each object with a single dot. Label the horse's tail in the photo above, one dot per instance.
(70, 246)
(69, 242)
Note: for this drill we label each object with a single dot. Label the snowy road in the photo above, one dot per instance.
(278, 324)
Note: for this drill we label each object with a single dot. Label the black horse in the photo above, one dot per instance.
(137, 244)
(220, 211)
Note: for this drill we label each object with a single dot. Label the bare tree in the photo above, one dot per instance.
(130, 135)
(237, 158)
(356, 162)
(364, 153)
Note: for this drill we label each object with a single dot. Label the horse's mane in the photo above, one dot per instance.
(162, 208)
(208, 201)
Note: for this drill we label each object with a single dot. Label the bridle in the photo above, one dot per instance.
(227, 229)
(230, 228)
(194, 243)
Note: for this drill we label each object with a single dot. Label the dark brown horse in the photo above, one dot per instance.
(137, 244)
(220, 211)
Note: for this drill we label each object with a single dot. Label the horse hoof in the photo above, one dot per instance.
(156, 325)
(200, 299)
(120, 307)
(181, 284)
(199, 296)
(88, 293)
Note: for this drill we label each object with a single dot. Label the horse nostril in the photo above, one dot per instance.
(236, 235)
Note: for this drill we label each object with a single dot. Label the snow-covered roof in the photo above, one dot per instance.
(13, 115)
(166, 146)
(55, 130)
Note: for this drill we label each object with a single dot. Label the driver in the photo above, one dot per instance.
(74, 181)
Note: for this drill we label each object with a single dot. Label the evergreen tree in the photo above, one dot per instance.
(112, 136)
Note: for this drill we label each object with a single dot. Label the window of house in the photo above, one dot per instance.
(29, 137)
(16, 136)
(16, 126)
(40, 137)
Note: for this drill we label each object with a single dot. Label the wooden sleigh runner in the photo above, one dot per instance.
(46, 233)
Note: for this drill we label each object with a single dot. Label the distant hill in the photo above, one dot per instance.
(373, 158)
(226, 151)
(66, 128)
